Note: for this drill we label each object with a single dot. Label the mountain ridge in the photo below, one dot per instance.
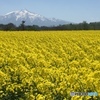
(30, 18)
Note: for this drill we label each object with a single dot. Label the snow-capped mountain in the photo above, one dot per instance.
(16, 17)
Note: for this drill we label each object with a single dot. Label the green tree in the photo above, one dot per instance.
(85, 25)
(23, 25)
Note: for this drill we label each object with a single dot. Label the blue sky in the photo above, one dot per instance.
(69, 10)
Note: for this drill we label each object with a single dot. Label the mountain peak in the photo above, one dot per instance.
(25, 11)
(19, 12)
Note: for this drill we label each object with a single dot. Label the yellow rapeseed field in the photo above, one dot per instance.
(48, 65)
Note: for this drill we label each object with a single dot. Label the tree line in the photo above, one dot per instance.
(72, 26)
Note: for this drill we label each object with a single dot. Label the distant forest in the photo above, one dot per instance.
(80, 26)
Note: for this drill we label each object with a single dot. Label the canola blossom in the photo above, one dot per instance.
(49, 65)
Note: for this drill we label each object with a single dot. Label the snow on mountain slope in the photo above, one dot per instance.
(30, 19)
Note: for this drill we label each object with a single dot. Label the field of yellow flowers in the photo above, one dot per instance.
(48, 65)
